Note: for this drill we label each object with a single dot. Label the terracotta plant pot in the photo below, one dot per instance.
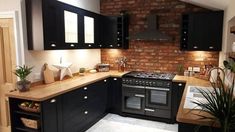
(23, 86)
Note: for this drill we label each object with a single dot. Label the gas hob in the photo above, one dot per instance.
(150, 75)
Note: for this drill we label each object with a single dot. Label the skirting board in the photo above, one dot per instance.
(5, 129)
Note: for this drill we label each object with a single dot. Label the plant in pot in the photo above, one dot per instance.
(22, 72)
(220, 103)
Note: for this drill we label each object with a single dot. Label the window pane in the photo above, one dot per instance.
(89, 29)
(71, 27)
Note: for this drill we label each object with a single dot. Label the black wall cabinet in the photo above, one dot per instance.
(44, 22)
(46, 27)
(115, 31)
(202, 31)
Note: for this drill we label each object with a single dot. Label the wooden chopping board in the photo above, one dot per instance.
(48, 74)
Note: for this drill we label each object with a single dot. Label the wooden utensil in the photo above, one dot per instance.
(48, 74)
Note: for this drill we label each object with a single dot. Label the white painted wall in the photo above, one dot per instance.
(229, 13)
(79, 58)
(91, 5)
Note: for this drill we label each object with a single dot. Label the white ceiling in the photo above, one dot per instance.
(210, 4)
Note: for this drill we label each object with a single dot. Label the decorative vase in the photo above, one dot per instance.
(23, 86)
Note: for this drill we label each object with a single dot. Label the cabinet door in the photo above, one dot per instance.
(71, 30)
(178, 90)
(52, 23)
(50, 111)
(115, 95)
(214, 31)
(197, 33)
(109, 38)
(91, 30)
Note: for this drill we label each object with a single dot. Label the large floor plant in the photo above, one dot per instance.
(220, 103)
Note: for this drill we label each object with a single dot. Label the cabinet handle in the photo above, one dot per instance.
(105, 80)
(72, 45)
(118, 45)
(185, 32)
(89, 45)
(85, 97)
(53, 45)
(150, 110)
(115, 79)
(118, 32)
(86, 112)
(85, 88)
(195, 47)
(111, 45)
(211, 47)
(53, 101)
(100, 45)
(180, 84)
(139, 95)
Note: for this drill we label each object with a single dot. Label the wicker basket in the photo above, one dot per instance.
(30, 123)
(28, 109)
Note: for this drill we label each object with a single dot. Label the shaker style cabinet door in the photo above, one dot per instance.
(44, 22)
(51, 115)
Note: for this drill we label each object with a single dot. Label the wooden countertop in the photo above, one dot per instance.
(188, 115)
(47, 91)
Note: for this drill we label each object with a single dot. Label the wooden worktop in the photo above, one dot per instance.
(189, 115)
(47, 91)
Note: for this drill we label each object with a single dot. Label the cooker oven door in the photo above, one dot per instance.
(159, 98)
(133, 99)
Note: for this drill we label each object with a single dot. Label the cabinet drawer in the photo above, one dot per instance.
(158, 113)
(83, 117)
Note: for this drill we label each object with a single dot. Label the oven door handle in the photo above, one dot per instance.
(160, 89)
(140, 95)
(133, 86)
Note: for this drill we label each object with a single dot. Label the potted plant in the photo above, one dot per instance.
(22, 72)
(220, 103)
(180, 69)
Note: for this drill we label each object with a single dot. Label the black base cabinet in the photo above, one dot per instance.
(75, 111)
(178, 90)
(115, 95)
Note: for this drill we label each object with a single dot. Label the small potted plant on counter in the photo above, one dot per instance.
(220, 103)
(22, 72)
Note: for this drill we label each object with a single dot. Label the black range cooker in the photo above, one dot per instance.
(147, 93)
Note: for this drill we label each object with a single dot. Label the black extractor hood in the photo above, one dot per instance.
(151, 33)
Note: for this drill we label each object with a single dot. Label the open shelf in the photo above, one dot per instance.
(28, 113)
(232, 29)
(26, 129)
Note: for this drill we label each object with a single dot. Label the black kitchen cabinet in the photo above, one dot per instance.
(75, 111)
(202, 31)
(44, 22)
(49, 27)
(51, 115)
(83, 107)
(115, 31)
(177, 91)
(96, 29)
(115, 95)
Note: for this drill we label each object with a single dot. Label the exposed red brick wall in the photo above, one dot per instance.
(154, 55)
